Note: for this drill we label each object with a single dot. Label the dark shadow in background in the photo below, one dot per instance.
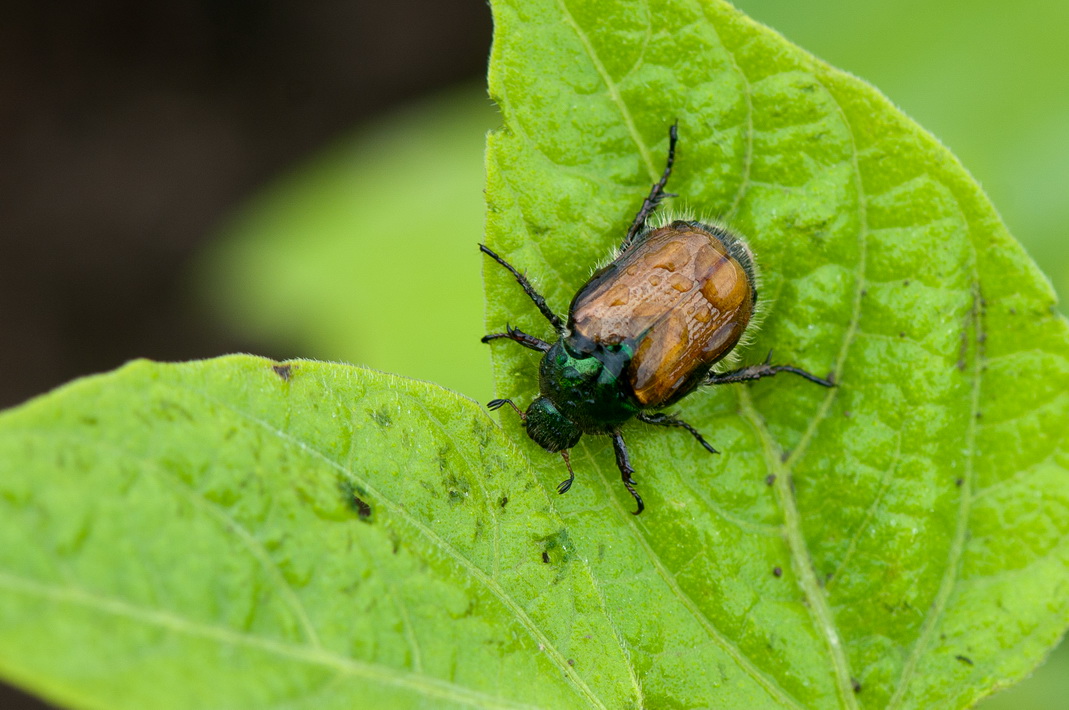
(129, 129)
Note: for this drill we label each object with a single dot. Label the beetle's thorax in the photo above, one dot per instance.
(583, 380)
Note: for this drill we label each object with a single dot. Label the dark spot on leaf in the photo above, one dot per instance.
(571, 661)
(362, 508)
(504, 501)
(1013, 311)
(382, 418)
(979, 415)
(906, 282)
(864, 292)
(846, 413)
(283, 371)
(854, 682)
(601, 551)
(557, 548)
(351, 496)
(770, 479)
(901, 334)
(961, 364)
(89, 421)
(784, 455)
(777, 572)
(964, 659)
(457, 489)
(443, 458)
(959, 482)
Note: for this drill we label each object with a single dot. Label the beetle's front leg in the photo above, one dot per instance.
(756, 372)
(623, 462)
(527, 341)
(534, 295)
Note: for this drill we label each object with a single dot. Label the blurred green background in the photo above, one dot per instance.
(367, 252)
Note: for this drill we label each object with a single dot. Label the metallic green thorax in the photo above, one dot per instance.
(581, 393)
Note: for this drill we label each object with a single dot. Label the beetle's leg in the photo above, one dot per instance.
(657, 192)
(661, 419)
(564, 485)
(756, 372)
(499, 403)
(539, 302)
(623, 462)
(527, 341)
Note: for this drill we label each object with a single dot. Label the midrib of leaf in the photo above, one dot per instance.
(614, 91)
(818, 606)
(313, 655)
(803, 562)
(429, 535)
(817, 601)
(771, 686)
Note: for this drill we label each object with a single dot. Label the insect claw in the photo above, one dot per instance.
(564, 485)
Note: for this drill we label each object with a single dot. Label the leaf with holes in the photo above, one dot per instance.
(243, 533)
(917, 513)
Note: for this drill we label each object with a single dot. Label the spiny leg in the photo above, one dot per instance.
(623, 462)
(539, 302)
(564, 485)
(527, 341)
(661, 419)
(765, 369)
(657, 192)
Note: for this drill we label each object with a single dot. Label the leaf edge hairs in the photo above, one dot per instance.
(642, 333)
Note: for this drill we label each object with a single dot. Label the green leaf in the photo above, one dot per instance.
(919, 510)
(244, 533)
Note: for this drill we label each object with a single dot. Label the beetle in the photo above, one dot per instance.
(642, 333)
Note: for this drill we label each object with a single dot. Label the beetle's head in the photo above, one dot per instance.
(549, 428)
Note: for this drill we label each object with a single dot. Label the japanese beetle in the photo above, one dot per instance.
(642, 333)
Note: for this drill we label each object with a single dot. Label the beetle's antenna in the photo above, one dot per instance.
(498, 403)
(564, 485)
(535, 296)
(657, 192)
